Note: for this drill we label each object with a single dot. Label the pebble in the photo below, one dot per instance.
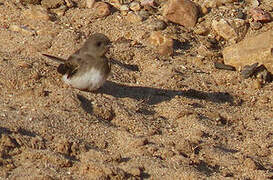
(219, 65)
(115, 3)
(201, 30)
(59, 11)
(158, 25)
(69, 3)
(255, 25)
(51, 4)
(263, 75)
(102, 9)
(144, 14)
(162, 43)
(90, 3)
(249, 70)
(256, 49)
(22, 29)
(148, 3)
(260, 15)
(36, 13)
(63, 145)
(124, 9)
(135, 6)
(132, 17)
(104, 111)
(204, 10)
(225, 30)
(240, 14)
(183, 12)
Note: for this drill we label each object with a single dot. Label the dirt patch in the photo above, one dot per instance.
(158, 117)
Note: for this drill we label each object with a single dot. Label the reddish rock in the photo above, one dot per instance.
(147, 3)
(260, 15)
(163, 44)
(102, 9)
(183, 12)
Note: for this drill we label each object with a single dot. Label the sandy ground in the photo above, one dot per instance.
(161, 118)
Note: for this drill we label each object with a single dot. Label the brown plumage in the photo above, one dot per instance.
(88, 67)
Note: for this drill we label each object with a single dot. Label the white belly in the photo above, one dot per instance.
(91, 80)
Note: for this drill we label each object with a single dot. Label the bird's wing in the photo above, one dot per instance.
(69, 66)
(72, 65)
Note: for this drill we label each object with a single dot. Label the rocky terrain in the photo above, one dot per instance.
(189, 97)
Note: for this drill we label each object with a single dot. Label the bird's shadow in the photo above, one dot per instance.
(156, 95)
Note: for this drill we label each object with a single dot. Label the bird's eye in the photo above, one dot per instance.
(98, 44)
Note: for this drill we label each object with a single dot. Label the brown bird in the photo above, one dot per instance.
(87, 68)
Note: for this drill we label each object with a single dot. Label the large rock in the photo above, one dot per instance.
(183, 12)
(224, 29)
(251, 50)
(232, 30)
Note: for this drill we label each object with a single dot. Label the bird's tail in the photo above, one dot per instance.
(56, 59)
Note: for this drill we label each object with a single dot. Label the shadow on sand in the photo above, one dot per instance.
(154, 95)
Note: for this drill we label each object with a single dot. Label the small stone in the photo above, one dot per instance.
(263, 74)
(158, 25)
(183, 12)
(36, 13)
(256, 49)
(163, 43)
(25, 2)
(260, 15)
(90, 3)
(225, 30)
(144, 14)
(103, 111)
(124, 9)
(240, 14)
(201, 30)
(59, 11)
(36, 76)
(256, 25)
(23, 29)
(219, 65)
(135, 6)
(23, 64)
(147, 3)
(204, 10)
(133, 17)
(249, 71)
(102, 9)
(63, 146)
(115, 3)
(69, 3)
(51, 4)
